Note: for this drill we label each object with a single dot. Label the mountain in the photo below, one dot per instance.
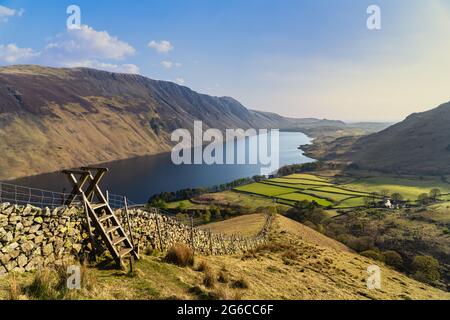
(418, 145)
(52, 118)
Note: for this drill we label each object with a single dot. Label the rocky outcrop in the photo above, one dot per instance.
(33, 238)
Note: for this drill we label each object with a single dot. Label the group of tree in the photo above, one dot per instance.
(423, 199)
(159, 200)
(427, 198)
(300, 168)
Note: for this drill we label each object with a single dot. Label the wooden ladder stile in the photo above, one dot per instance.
(99, 211)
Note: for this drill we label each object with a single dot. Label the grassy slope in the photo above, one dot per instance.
(248, 225)
(321, 268)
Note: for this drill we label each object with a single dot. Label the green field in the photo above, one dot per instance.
(304, 197)
(300, 187)
(306, 176)
(330, 196)
(352, 203)
(410, 189)
(185, 203)
(339, 190)
(287, 185)
(300, 182)
(265, 189)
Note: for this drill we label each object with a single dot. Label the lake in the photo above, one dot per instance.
(142, 177)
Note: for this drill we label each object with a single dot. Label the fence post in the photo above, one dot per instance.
(159, 232)
(210, 242)
(192, 233)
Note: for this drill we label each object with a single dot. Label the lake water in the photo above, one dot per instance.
(142, 177)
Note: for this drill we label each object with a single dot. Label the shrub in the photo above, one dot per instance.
(393, 259)
(241, 284)
(372, 254)
(426, 269)
(209, 279)
(290, 254)
(41, 288)
(223, 277)
(180, 255)
(203, 266)
(207, 216)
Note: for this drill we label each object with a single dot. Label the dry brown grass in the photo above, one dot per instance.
(319, 273)
(246, 226)
(241, 284)
(209, 278)
(15, 291)
(180, 255)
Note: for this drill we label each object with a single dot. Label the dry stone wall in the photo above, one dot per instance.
(32, 238)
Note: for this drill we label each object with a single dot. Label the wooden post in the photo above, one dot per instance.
(192, 233)
(130, 232)
(88, 220)
(159, 233)
(210, 242)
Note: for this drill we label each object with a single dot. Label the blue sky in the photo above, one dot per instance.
(298, 58)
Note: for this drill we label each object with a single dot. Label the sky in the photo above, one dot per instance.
(311, 58)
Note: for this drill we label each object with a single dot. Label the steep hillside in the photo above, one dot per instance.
(58, 118)
(298, 264)
(418, 145)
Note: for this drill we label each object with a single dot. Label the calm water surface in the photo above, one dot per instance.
(142, 177)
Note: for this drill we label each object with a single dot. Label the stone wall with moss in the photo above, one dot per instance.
(33, 238)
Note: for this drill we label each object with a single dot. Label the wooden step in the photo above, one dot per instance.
(107, 217)
(125, 252)
(112, 229)
(118, 240)
(98, 206)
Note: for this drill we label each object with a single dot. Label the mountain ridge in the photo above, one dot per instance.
(56, 118)
(420, 144)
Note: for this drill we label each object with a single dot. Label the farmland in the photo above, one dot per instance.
(343, 193)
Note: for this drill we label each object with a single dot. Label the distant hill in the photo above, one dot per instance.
(53, 118)
(418, 145)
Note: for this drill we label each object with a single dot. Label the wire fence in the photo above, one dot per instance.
(44, 198)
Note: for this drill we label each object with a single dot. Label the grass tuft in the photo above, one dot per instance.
(180, 255)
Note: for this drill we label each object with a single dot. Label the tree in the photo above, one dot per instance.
(384, 193)
(182, 207)
(423, 198)
(396, 197)
(426, 269)
(217, 215)
(373, 254)
(158, 203)
(435, 193)
(207, 216)
(393, 259)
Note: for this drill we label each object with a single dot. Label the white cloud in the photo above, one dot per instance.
(87, 44)
(94, 64)
(163, 46)
(11, 54)
(6, 13)
(84, 47)
(170, 64)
